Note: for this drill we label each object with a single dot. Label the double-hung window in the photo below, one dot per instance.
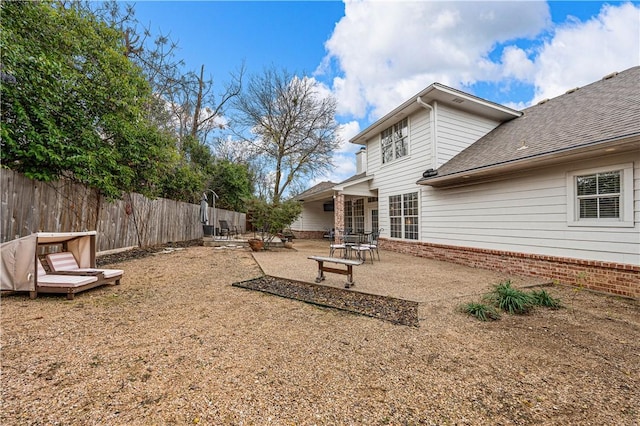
(403, 216)
(601, 197)
(358, 215)
(395, 141)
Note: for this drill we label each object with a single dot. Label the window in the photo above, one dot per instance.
(375, 222)
(601, 197)
(403, 216)
(348, 217)
(394, 141)
(358, 215)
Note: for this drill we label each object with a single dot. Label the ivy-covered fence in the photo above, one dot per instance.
(63, 206)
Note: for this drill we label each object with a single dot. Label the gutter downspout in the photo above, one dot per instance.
(434, 130)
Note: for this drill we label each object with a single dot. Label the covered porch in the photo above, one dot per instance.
(331, 210)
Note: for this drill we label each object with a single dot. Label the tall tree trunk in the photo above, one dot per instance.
(196, 111)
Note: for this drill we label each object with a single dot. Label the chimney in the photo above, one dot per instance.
(361, 160)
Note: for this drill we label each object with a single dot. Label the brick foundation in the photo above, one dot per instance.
(308, 235)
(615, 278)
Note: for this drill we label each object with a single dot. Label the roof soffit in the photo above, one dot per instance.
(441, 94)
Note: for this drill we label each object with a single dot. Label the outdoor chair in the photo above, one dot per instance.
(361, 247)
(343, 245)
(372, 243)
(333, 246)
(64, 283)
(226, 230)
(66, 262)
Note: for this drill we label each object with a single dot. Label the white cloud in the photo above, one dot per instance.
(583, 52)
(388, 51)
(385, 52)
(344, 164)
(346, 132)
(516, 64)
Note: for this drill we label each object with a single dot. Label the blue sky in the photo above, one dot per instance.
(373, 55)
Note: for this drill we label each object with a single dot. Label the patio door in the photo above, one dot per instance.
(375, 225)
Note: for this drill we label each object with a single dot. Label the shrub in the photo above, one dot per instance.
(510, 299)
(481, 311)
(542, 298)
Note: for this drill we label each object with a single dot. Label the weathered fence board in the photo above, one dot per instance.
(63, 206)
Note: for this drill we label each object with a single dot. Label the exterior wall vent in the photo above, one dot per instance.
(457, 100)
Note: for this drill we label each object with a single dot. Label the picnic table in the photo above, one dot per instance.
(349, 263)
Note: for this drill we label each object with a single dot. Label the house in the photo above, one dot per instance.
(550, 191)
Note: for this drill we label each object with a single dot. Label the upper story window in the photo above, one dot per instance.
(601, 197)
(395, 142)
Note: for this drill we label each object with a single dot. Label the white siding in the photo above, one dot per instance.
(400, 176)
(457, 130)
(313, 218)
(527, 214)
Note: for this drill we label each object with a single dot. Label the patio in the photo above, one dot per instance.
(395, 275)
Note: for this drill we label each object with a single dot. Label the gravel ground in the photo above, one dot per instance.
(176, 343)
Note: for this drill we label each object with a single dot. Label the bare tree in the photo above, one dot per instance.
(290, 124)
(186, 102)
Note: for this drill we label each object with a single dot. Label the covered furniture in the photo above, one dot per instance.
(20, 263)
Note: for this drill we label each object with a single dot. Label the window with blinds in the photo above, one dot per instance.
(599, 195)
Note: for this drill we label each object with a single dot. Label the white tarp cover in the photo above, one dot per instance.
(18, 267)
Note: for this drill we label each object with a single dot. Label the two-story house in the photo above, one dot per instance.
(550, 191)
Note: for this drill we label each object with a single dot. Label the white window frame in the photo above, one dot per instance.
(404, 216)
(395, 142)
(626, 197)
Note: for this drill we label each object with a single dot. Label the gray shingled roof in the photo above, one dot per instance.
(353, 178)
(605, 110)
(321, 187)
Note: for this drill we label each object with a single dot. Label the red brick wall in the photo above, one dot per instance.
(615, 278)
(338, 215)
(308, 235)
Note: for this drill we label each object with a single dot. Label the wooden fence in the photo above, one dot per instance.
(63, 206)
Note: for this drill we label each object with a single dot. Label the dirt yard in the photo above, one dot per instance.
(175, 343)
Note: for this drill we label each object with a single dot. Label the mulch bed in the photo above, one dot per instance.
(391, 309)
(142, 252)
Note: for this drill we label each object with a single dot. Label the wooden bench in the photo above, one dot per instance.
(347, 262)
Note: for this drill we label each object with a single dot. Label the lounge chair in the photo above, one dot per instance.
(65, 284)
(66, 262)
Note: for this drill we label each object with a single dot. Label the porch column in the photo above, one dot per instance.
(338, 215)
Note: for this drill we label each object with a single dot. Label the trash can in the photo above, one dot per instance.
(208, 230)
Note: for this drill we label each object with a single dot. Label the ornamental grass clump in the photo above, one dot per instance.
(542, 298)
(510, 299)
(506, 298)
(481, 311)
